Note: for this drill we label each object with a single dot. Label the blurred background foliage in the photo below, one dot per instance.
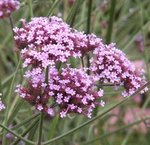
(131, 33)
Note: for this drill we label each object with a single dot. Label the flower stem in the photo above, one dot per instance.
(26, 131)
(11, 24)
(13, 34)
(53, 8)
(47, 73)
(30, 8)
(72, 13)
(40, 129)
(82, 61)
(42, 114)
(16, 135)
(89, 17)
(88, 29)
(111, 21)
(11, 87)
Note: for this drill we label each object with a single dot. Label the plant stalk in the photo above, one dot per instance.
(111, 21)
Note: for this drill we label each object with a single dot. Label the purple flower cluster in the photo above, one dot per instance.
(110, 65)
(7, 7)
(44, 43)
(71, 90)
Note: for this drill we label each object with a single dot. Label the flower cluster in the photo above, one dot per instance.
(7, 7)
(46, 41)
(72, 90)
(110, 65)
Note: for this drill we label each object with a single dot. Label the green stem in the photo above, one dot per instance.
(82, 61)
(11, 24)
(88, 30)
(23, 123)
(47, 75)
(146, 54)
(26, 131)
(125, 140)
(111, 21)
(71, 17)
(42, 114)
(9, 101)
(30, 8)
(89, 17)
(53, 7)
(13, 34)
(17, 135)
(40, 129)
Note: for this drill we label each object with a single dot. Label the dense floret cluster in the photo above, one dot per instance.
(110, 65)
(47, 42)
(7, 7)
(72, 90)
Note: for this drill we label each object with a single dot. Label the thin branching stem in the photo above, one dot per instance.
(111, 21)
(30, 8)
(17, 135)
(89, 30)
(11, 24)
(82, 61)
(27, 130)
(40, 129)
(53, 8)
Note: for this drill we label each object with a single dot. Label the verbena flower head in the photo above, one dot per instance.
(7, 7)
(45, 41)
(110, 65)
(70, 91)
